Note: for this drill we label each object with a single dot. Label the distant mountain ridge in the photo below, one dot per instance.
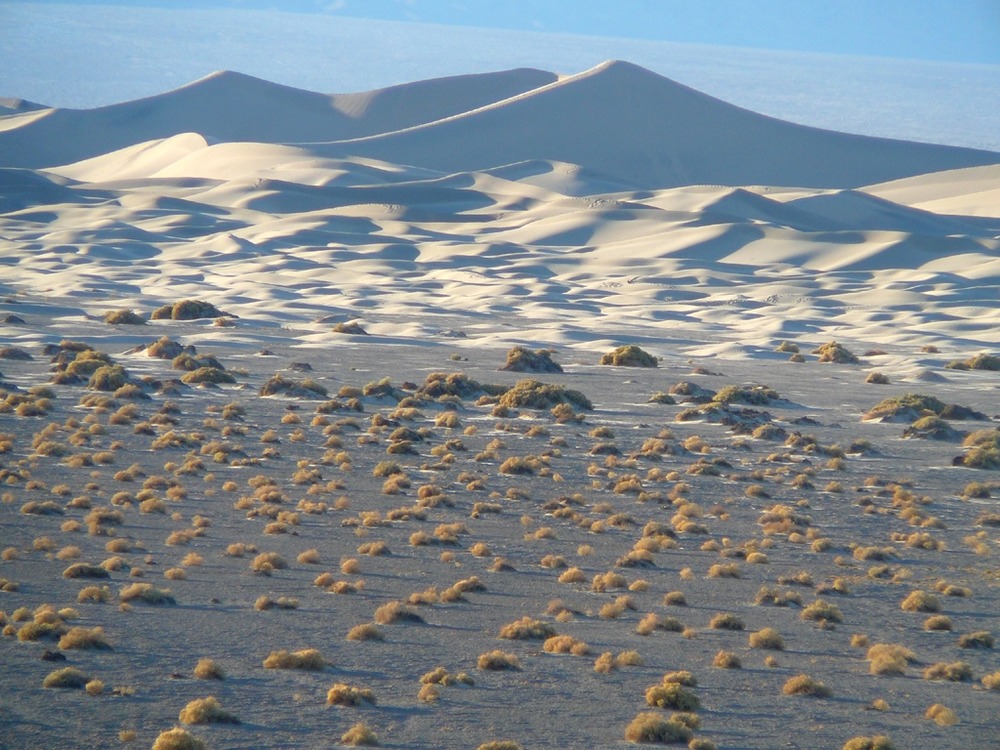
(620, 122)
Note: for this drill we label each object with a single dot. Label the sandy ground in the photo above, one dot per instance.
(707, 262)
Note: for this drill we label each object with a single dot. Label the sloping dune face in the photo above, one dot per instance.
(514, 206)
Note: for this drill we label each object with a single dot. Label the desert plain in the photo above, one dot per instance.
(310, 405)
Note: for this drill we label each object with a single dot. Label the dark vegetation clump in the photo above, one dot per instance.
(912, 406)
(628, 356)
(124, 317)
(977, 362)
(280, 385)
(521, 359)
(532, 394)
(832, 351)
(189, 309)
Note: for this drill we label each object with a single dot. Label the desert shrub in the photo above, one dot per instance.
(178, 739)
(991, 681)
(207, 375)
(351, 328)
(877, 378)
(942, 715)
(280, 385)
(521, 359)
(342, 694)
(206, 711)
(532, 394)
(188, 309)
(359, 735)
(85, 570)
(267, 562)
(938, 623)
(527, 628)
(309, 659)
(94, 594)
(955, 671)
(767, 638)
(803, 684)
(822, 611)
(498, 660)
(628, 356)
(878, 742)
(672, 695)
(208, 669)
(365, 632)
(147, 593)
(651, 727)
(976, 362)
(108, 378)
(395, 611)
(835, 352)
(889, 659)
(124, 317)
(727, 660)
(726, 621)
(499, 745)
(920, 601)
(977, 639)
(80, 637)
(67, 677)
(755, 395)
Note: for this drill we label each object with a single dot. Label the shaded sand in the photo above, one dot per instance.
(427, 228)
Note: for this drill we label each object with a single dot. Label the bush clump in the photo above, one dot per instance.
(124, 317)
(67, 677)
(189, 309)
(522, 359)
(178, 739)
(309, 659)
(532, 394)
(206, 711)
(651, 727)
(976, 362)
(280, 385)
(207, 375)
(831, 351)
(628, 356)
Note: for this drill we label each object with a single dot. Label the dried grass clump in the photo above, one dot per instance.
(267, 562)
(803, 684)
(498, 660)
(955, 671)
(823, 612)
(395, 611)
(98, 594)
(651, 727)
(124, 316)
(178, 739)
(84, 638)
(727, 660)
(565, 644)
(367, 631)
(500, 745)
(628, 356)
(309, 659)
(359, 735)
(991, 681)
(942, 715)
(208, 669)
(920, 601)
(206, 711)
(207, 375)
(189, 309)
(976, 639)
(147, 593)
(342, 694)
(521, 359)
(672, 695)
(979, 361)
(832, 351)
(726, 621)
(85, 570)
(767, 638)
(67, 677)
(878, 742)
(527, 628)
(532, 394)
(278, 384)
(889, 659)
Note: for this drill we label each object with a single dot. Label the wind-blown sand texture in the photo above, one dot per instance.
(356, 244)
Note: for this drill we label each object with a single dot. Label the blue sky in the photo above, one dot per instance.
(955, 30)
(924, 70)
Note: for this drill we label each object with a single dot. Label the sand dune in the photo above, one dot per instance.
(228, 106)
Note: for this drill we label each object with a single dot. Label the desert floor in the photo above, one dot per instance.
(859, 518)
